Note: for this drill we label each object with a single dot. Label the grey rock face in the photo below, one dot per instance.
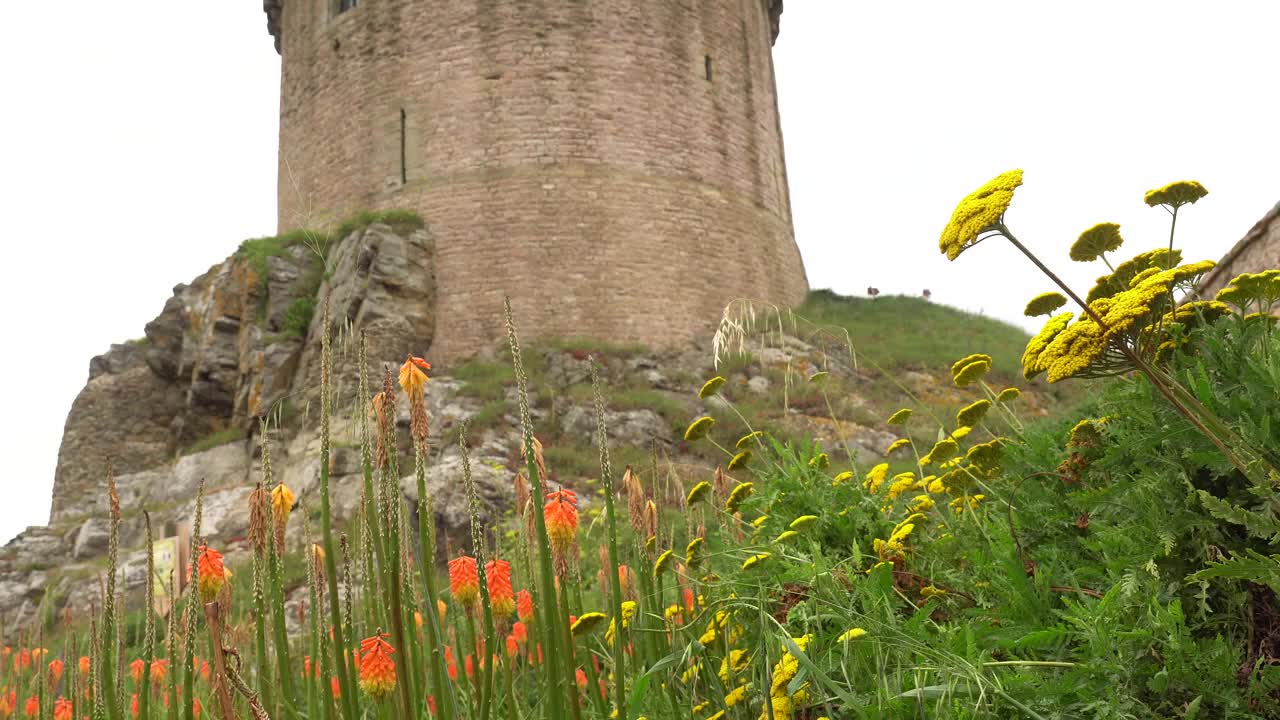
(91, 539)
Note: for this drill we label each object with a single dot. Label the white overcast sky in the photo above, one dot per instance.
(138, 147)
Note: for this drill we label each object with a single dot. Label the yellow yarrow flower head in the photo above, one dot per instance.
(978, 213)
(739, 493)
(902, 482)
(1247, 289)
(875, 478)
(1099, 239)
(586, 623)
(1176, 194)
(745, 441)
(1008, 395)
(759, 522)
(803, 522)
(972, 413)
(663, 561)
(821, 461)
(698, 493)
(785, 536)
(1044, 304)
(692, 551)
(944, 449)
(900, 418)
(929, 591)
(1127, 271)
(851, 634)
(961, 432)
(972, 373)
(897, 445)
(737, 461)
(737, 696)
(1032, 356)
(842, 478)
(699, 428)
(920, 503)
(711, 387)
(755, 560)
(960, 364)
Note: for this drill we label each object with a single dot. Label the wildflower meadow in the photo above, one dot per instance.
(1122, 561)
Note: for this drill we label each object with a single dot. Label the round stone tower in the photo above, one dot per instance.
(615, 166)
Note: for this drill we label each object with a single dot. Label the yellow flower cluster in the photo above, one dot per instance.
(1123, 276)
(875, 478)
(781, 699)
(902, 482)
(900, 418)
(978, 213)
(972, 414)
(1247, 289)
(897, 445)
(1044, 304)
(1099, 239)
(1176, 194)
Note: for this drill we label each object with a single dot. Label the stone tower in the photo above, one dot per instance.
(615, 166)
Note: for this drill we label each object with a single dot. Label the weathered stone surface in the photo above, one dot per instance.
(631, 428)
(445, 486)
(91, 539)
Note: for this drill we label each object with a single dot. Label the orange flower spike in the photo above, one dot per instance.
(562, 522)
(135, 670)
(62, 709)
(443, 609)
(582, 679)
(213, 576)
(520, 632)
(513, 647)
(469, 663)
(159, 669)
(204, 671)
(431, 704)
(306, 666)
(196, 708)
(335, 688)
(502, 596)
(417, 619)
(464, 580)
(524, 606)
(55, 669)
(412, 377)
(84, 664)
(33, 706)
(377, 669)
(133, 706)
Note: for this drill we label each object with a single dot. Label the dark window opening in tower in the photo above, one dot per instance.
(345, 5)
(404, 171)
(707, 65)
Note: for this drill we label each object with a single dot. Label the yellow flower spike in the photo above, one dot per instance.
(711, 387)
(699, 428)
(586, 623)
(1176, 194)
(785, 536)
(1092, 243)
(842, 478)
(1008, 395)
(972, 414)
(662, 562)
(742, 458)
(944, 449)
(900, 418)
(977, 213)
(803, 522)
(897, 445)
(698, 493)
(972, 373)
(755, 560)
(875, 477)
(1044, 304)
(746, 440)
(852, 634)
(739, 493)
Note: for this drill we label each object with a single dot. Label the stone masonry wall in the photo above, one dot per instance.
(1258, 250)
(573, 155)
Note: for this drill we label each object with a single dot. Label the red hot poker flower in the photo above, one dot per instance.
(62, 709)
(464, 580)
(377, 669)
(524, 606)
(501, 595)
(412, 377)
(135, 669)
(213, 575)
(562, 522)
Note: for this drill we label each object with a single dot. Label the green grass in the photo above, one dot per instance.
(214, 439)
(907, 332)
(398, 219)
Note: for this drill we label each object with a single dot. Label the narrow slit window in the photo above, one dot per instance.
(404, 170)
(706, 61)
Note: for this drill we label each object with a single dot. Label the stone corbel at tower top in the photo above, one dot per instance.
(273, 8)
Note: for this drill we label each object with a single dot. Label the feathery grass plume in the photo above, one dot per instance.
(258, 499)
(1175, 194)
(611, 532)
(711, 387)
(636, 499)
(149, 618)
(1044, 304)
(979, 213)
(1093, 244)
(107, 669)
(559, 677)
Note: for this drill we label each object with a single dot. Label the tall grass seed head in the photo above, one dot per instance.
(977, 213)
